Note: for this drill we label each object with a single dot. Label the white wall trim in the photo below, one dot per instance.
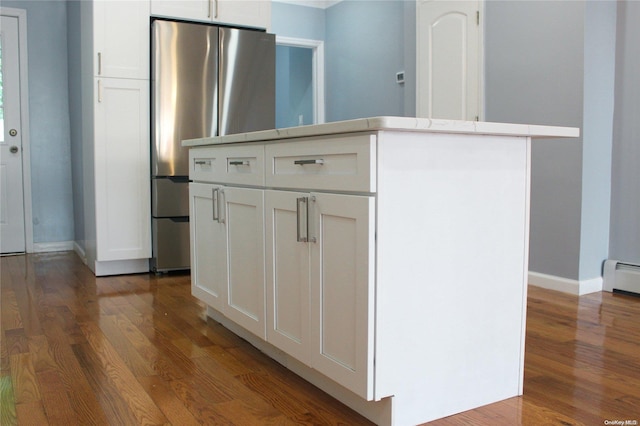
(51, 247)
(318, 71)
(21, 15)
(565, 285)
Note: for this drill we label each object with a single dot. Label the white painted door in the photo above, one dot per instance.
(342, 289)
(287, 266)
(448, 59)
(243, 214)
(208, 245)
(12, 225)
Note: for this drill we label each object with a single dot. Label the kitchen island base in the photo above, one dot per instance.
(383, 260)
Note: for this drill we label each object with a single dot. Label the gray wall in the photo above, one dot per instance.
(534, 58)
(52, 198)
(625, 185)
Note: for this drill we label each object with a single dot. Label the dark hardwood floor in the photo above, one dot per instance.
(138, 349)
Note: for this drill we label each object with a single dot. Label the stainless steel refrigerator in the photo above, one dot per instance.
(207, 80)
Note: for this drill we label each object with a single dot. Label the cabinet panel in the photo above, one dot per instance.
(121, 39)
(243, 213)
(339, 164)
(208, 248)
(342, 285)
(250, 13)
(123, 207)
(287, 275)
(242, 165)
(198, 10)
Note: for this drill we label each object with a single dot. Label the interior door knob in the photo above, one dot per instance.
(13, 149)
(13, 132)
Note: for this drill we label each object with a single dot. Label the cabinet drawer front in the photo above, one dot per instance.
(242, 165)
(340, 164)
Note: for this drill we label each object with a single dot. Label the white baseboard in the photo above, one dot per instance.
(565, 285)
(80, 252)
(51, 247)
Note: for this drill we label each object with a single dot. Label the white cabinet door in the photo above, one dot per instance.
(287, 274)
(243, 213)
(123, 212)
(251, 13)
(342, 289)
(208, 246)
(197, 10)
(121, 39)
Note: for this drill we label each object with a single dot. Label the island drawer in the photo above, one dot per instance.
(338, 164)
(238, 164)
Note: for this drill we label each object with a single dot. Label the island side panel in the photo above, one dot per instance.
(452, 237)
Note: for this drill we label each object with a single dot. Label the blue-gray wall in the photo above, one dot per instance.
(366, 44)
(534, 59)
(625, 181)
(51, 190)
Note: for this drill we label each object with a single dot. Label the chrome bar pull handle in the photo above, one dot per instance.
(222, 210)
(99, 91)
(239, 163)
(99, 63)
(214, 198)
(216, 10)
(319, 161)
(203, 162)
(300, 226)
(311, 239)
(209, 8)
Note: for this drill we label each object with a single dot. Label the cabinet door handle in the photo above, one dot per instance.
(216, 9)
(222, 208)
(99, 91)
(319, 161)
(99, 63)
(209, 8)
(300, 226)
(239, 163)
(214, 199)
(203, 162)
(310, 209)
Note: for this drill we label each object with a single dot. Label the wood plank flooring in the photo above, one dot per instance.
(139, 350)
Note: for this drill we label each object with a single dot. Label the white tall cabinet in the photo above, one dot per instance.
(115, 130)
(395, 256)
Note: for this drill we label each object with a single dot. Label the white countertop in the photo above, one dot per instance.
(402, 124)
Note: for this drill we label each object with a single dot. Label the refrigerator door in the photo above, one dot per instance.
(247, 81)
(184, 96)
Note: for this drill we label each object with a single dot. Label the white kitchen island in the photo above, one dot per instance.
(382, 259)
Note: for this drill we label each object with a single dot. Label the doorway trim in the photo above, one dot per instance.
(317, 48)
(21, 15)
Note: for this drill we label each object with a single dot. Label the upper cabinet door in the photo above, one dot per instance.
(121, 39)
(248, 13)
(252, 13)
(197, 10)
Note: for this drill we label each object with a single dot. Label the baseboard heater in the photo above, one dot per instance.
(621, 277)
